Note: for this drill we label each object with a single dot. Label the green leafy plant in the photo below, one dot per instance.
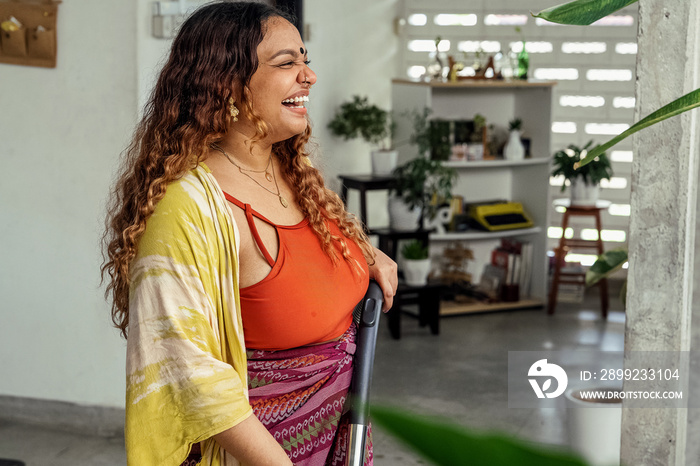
(605, 265)
(431, 137)
(421, 135)
(479, 125)
(586, 12)
(360, 119)
(447, 444)
(420, 181)
(565, 162)
(414, 250)
(582, 12)
(515, 124)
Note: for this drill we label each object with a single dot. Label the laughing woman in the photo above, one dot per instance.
(233, 271)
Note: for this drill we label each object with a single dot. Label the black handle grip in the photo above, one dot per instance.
(365, 341)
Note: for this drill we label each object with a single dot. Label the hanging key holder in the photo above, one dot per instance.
(28, 32)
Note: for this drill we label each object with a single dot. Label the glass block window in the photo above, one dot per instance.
(448, 19)
(505, 20)
(584, 47)
(418, 19)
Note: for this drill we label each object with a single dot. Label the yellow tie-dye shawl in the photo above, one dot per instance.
(186, 361)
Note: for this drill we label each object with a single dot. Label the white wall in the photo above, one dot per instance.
(353, 50)
(61, 133)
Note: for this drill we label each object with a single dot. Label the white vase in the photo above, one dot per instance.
(401, 217)
(584, 194)
(384, 162)
(514, 149)
(416, 272)
(594, 428)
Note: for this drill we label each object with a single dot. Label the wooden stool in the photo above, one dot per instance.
(566, 244)
(363, 183)
(428, 300)
(426, 297)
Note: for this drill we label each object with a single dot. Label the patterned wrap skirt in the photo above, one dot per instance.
(299, 395)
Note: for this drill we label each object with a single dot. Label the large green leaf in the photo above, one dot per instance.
(447, 444)
(582, 12)
(607, 263)
(678, 106)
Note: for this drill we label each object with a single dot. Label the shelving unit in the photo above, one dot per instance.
(525, 181)
(475, 235)
(448, 308)
(497, 163)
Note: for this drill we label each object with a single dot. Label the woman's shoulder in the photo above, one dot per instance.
(191, 190)
(188, 204)
(187, 214)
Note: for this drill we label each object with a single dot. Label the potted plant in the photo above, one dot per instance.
(360, 119)
(431, 136)
(594, 425)
(416, 263)
(585, 180)
(419, 187)
(477, 147)
(514, 149)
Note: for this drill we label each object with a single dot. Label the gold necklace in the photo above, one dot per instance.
(268, 176)
(283, 201)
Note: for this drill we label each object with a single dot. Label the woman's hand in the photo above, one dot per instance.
(384, 271)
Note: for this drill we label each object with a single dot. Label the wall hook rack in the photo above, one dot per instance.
(30, 39)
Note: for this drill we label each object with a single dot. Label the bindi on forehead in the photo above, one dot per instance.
(302, 51)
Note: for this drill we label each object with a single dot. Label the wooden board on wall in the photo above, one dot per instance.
(27, 46)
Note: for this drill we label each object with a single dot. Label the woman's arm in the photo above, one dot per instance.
(251, 444)
(385, 272)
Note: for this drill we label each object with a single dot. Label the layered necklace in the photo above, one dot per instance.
(268, 176)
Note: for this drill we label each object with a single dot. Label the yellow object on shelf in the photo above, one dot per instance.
(500, 216)
(11, 25)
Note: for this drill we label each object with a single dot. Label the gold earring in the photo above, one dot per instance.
(232, 109)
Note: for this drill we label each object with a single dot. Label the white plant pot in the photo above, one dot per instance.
(514, 149)
(416, 272)
(594, 428)
(401, 217)
(384, 161)
(584, 194)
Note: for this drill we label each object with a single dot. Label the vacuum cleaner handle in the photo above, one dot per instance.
(365, 341)
(358, 395)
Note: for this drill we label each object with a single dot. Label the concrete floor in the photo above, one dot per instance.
(460, 374)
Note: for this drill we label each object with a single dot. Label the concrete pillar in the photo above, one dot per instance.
(663, 220)
(693, 431)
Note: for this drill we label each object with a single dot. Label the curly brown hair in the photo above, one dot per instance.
(214, 53)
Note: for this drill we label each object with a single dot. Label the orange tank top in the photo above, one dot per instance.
(306, 298)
